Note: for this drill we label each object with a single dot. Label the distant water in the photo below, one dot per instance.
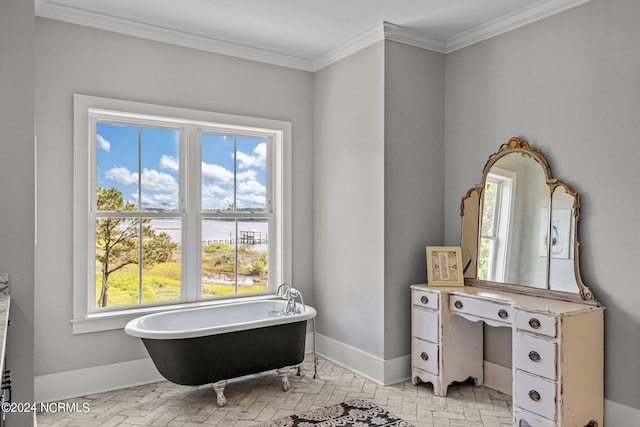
(214, 230)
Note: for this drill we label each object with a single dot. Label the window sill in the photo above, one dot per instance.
(106, 321)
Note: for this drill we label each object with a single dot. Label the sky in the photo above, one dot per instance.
(118, 148)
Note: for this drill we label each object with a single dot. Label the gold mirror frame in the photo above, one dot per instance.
(471, 215)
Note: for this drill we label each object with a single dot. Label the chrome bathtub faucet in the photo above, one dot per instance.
(290, 294)
(294, 293)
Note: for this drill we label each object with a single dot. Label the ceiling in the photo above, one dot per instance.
(304, 34)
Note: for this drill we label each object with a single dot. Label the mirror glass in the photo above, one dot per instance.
(515, 200)
(470, 207)
(562, 275)
(519, 227)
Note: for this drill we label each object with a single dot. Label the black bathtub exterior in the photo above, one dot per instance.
(208, 359)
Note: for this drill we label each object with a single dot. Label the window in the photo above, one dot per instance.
(494, 235)
(174, 206)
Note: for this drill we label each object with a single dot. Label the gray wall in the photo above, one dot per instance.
(413, 180)
(17, 32)
(349, 200)
(73, 59)
(570, 85)
(379, 165)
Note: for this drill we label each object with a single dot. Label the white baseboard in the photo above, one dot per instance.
(498, 377)
(616, 414)
(381, 371)
(97, 379)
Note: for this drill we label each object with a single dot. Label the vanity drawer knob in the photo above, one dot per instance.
(534, 395)
(458, 304)
(424, 299)
(534, 323)
(534, 356)
(424, 356)
(503, 314)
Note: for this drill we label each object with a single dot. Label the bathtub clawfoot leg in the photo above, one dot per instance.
(300, 370)
(219, 389)
(285, 380)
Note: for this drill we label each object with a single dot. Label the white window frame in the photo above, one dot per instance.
(505, 199)
(85, 317)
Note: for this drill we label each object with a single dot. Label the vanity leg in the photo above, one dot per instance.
(439, 389)
(219, 389)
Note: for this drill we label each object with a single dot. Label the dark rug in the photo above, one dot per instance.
(353, 413)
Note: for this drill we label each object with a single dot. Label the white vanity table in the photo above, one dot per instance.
(557, 326)
(557, 350)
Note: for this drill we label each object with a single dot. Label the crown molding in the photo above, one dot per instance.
(383, 31)
(348, 48)
(414, 38)
(536, 12)
(180, 38)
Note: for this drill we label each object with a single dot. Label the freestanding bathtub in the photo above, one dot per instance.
(212, 344)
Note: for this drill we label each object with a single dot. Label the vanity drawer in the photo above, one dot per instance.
(425, 324)
(535, 394)
(536, 322)
(425, 299)
(524, 419)
(491, 310)
(425, 356)
(535, 355)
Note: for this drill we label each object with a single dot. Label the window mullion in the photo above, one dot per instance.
(140, 225)
(235, 207)
(190, 174)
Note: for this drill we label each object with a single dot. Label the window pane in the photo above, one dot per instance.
(488, 209)
(160, 155)
(253, 262)
(117, 278)
(218, 266)
(161, 261)
(251, 175)
(117, 163)
(485, 259)
(217, 172)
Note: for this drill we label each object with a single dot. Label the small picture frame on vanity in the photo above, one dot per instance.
(444, 266)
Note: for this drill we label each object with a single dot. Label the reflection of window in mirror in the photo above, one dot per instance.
(494, 234)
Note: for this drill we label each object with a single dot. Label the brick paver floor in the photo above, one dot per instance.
(258, 398)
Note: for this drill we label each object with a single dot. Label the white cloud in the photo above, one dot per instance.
(213, 191)
(122, 175)
(103, 144)
(246, 175)
(256, 159)
(251, 187)
(245, 200)
(216, 173)
(163, 201)
(169, 162)
(216, 197)
(152, 180)
(251, 193)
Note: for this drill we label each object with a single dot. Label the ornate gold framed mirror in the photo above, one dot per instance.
(519, 227)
